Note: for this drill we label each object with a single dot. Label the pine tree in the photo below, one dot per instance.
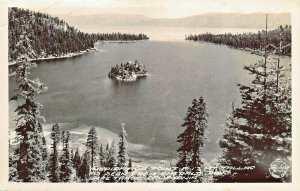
(101, 156)
(76, 161)
(44, 144)
(66, 165)
(104, 158)
(29, 152)
(106, 155)
(122, 155)
(53, 166)
(192, 141)
(130, 170)
(83, 172)
(110, 164)
(268, 116)
(92, 147)
(235, 154)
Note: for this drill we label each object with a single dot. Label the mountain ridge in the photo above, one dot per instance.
(213, 20)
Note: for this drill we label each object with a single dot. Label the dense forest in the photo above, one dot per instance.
(52, 37)
(254, 41)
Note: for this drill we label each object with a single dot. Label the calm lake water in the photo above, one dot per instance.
(153, 108)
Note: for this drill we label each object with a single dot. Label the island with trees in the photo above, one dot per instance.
(128, 72)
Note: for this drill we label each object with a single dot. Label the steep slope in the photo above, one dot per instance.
(51, 36)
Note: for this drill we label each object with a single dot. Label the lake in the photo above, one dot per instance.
(153, 108)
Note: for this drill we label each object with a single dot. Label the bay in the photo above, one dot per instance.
(153, 108)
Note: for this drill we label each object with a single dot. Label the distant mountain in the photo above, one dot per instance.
(214, 20)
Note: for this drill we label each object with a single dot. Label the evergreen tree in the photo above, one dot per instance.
(104, 166)
(101, 156)
(130, 170)
(76, 161)
(110, 164)
(53, 166)
(192, 141)
(92, 147)
(66, 165)
(106, 154)
(44, 144)
(29, 152)
(235, 153)
(83, 172)
(122, 155)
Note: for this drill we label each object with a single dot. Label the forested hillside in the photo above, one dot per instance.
(51, 36)
(250, 40)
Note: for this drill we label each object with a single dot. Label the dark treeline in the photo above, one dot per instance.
(120, 37)
(255, 41)
(51, 36)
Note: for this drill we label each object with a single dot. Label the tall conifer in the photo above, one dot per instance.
(53, 165)
(66, 164)
(192, 141)
(121, 163)
(30, 164)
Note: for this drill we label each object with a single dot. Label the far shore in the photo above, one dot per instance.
(119, 41)
(251, 50)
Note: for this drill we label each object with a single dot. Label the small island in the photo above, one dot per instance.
(128, 72)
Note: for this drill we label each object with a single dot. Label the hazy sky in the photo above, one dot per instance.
(153, 8)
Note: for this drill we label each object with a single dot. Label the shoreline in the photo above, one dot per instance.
(131, 79)
(69, 55)
(72, 55)
(120, 41)
(250, 50)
